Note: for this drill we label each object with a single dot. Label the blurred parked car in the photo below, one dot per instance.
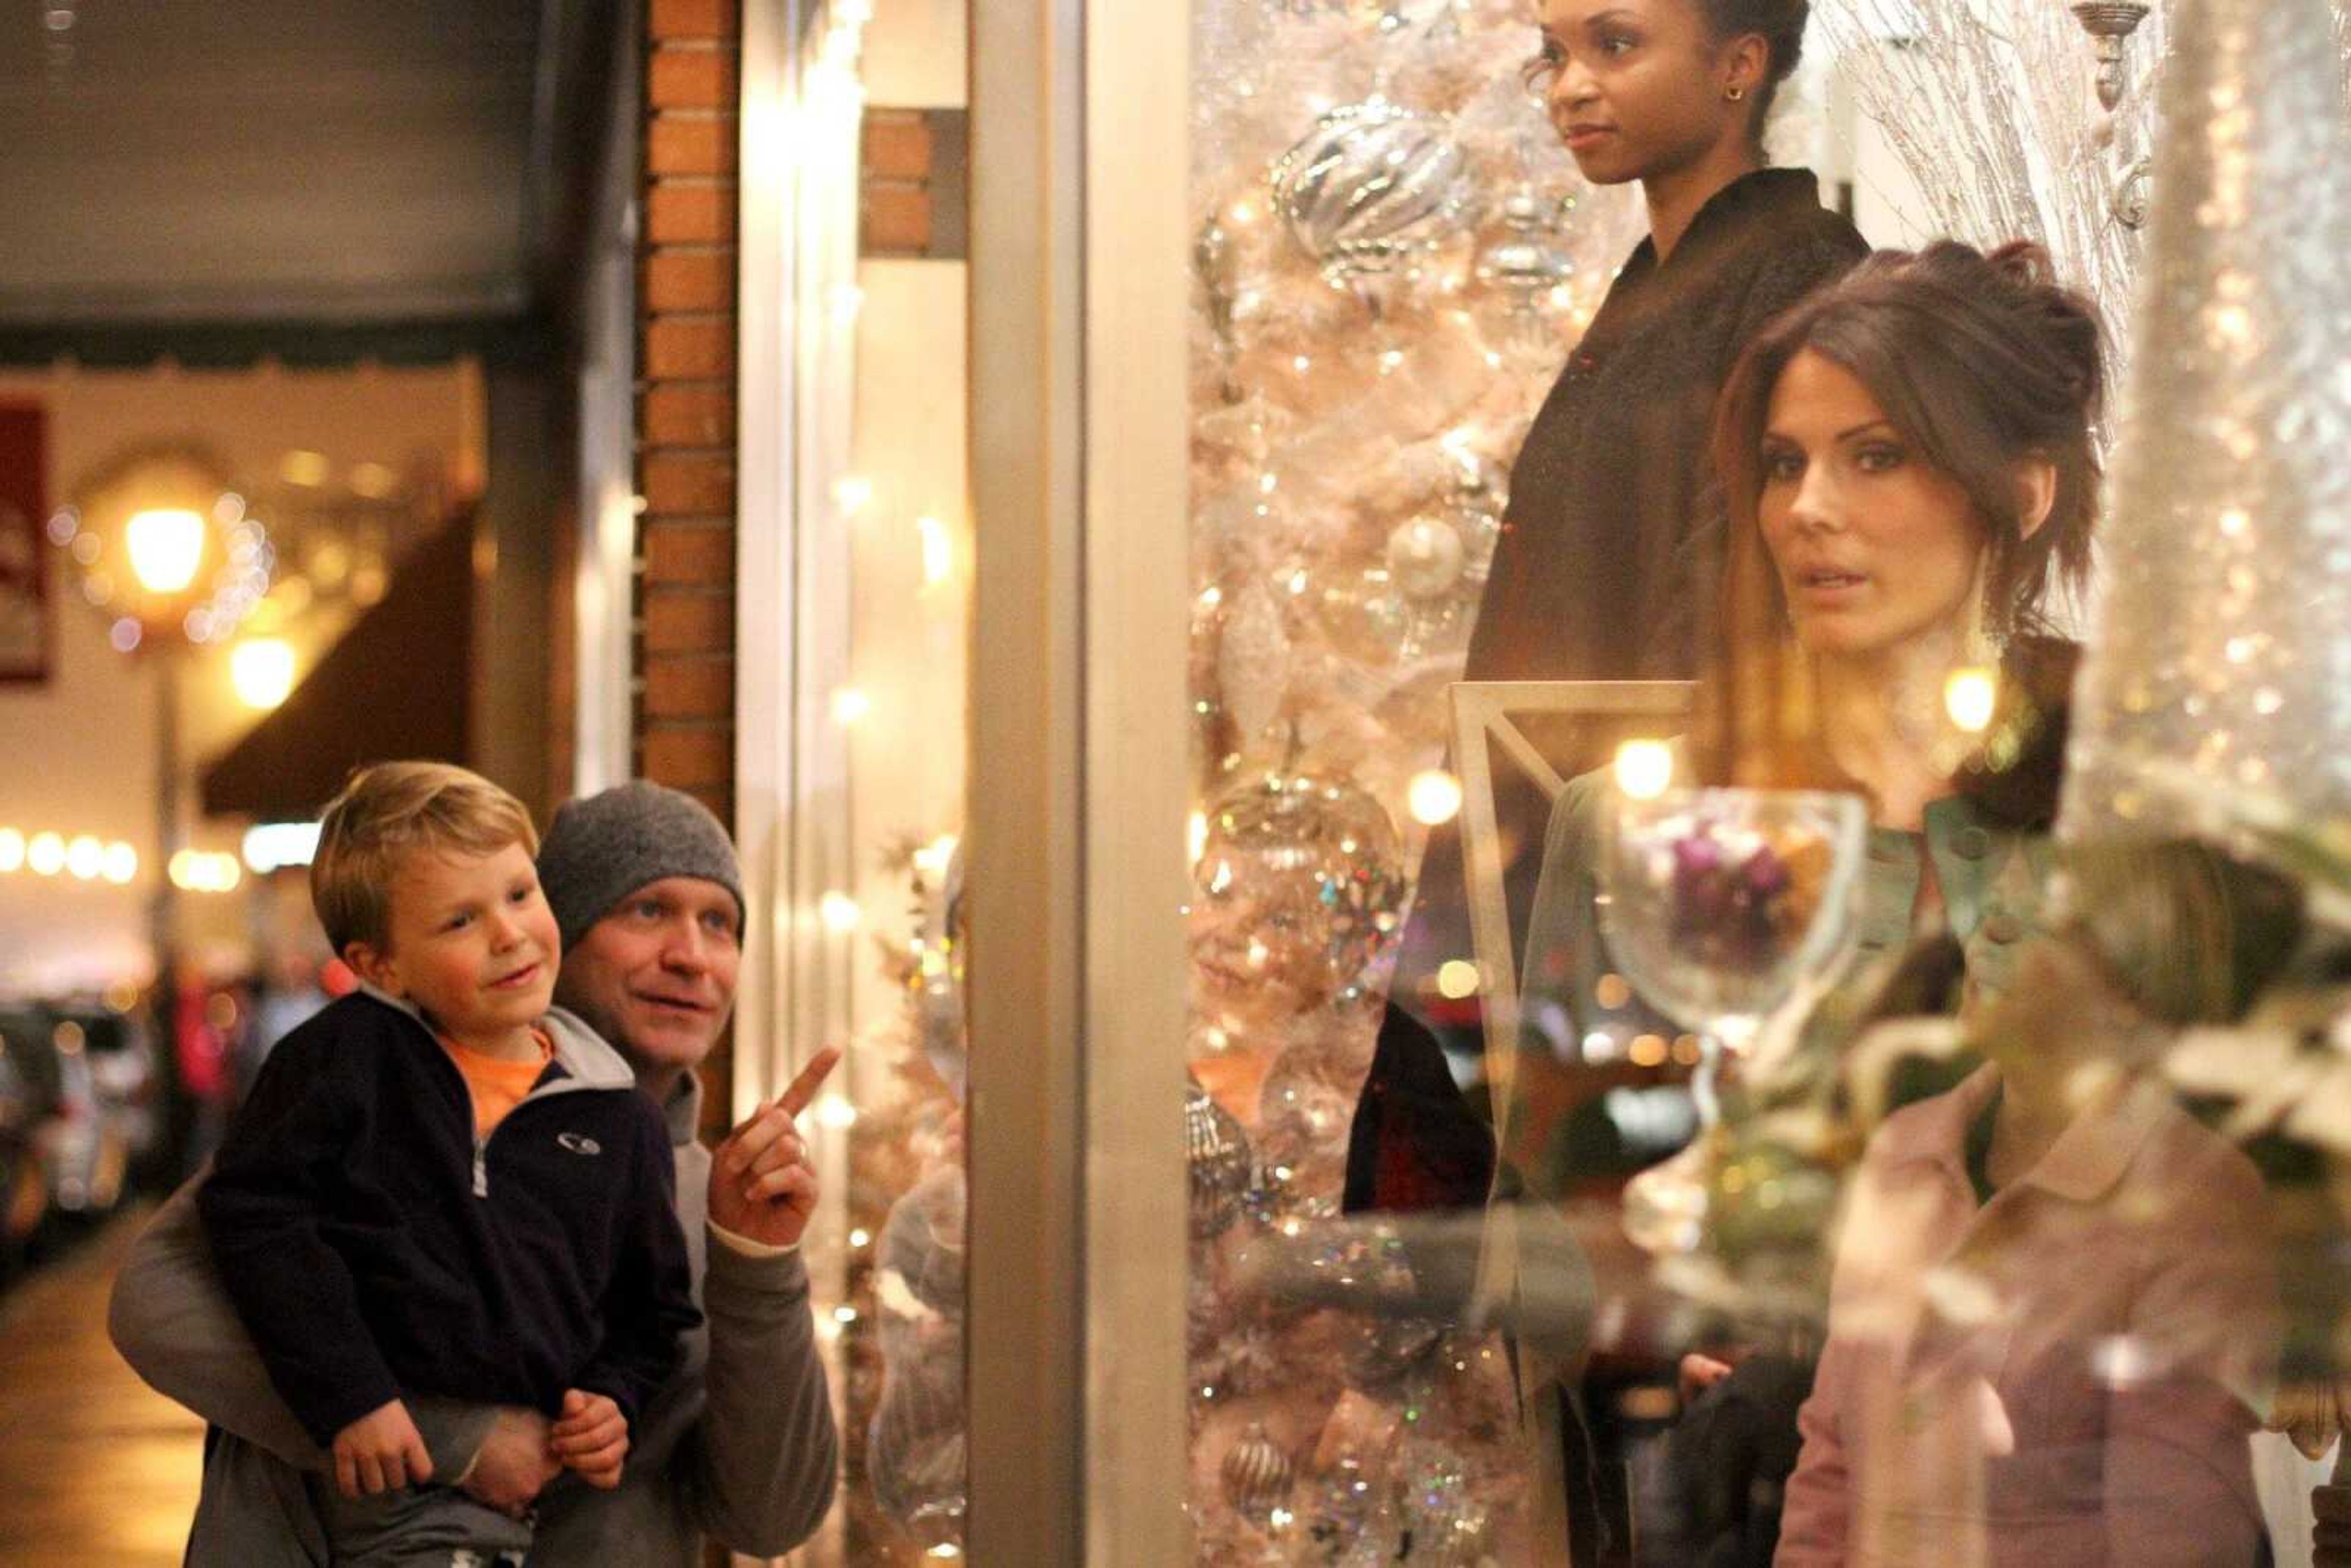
(23, 1177)
(90, 1075)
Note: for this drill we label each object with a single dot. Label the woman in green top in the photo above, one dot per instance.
(1909, 470)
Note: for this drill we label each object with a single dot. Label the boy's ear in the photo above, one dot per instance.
(374, 966)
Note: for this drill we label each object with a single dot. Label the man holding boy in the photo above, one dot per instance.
(740, 1444)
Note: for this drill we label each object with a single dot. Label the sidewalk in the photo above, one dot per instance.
(95, 1467)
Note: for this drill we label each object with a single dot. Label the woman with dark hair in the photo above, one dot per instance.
(1909, 475)
(1593, 579)
(1605, 550)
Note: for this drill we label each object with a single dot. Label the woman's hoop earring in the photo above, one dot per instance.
(1734, 94)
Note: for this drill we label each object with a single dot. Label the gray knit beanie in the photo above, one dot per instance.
(602, 848)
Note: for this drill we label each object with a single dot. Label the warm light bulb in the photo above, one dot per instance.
(840, 912)
(849, 705)
(121, 867)
(1970, 697)
(1434, 797)
(1457, 979)
(167, 545)
(262, 670)
(938, 550)
(46, 854)
(852, 494)
(85, 858)
(1645, 768)
(12, 849)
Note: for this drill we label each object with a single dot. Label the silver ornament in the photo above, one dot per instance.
(1426, 558)
(1300, 880)
(2221, 668)
(1526, 269)
(1216, 1151)
(1476, 507)
(1258, 1473)
(1370, 185)
(1253, 660)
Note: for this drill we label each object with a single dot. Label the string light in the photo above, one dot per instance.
(1645, 768)
(1970, 697)
(262, 670)
(938, 550)
(1434, 797)
(840, 912)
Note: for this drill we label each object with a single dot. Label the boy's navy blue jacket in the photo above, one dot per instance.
(374, 1248)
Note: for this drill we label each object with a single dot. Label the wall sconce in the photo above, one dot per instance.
(2110, 23)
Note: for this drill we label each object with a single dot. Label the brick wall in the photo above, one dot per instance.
(685, 419)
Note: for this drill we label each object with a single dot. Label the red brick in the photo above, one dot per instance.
(689, 280)
(678, 416)
(897, 146)
(692, 485)
(702, 214)
(676, 754)
(897, 218)
(684, 687)
(690, 146)
(688, 620)
(692, 78)
(688, 348)
(698, 553)
(694, 19)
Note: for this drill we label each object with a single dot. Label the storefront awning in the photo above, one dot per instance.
(399, 684)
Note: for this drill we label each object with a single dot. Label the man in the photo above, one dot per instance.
(740, 1445)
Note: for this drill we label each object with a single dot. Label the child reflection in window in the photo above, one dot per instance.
(2053, 1316)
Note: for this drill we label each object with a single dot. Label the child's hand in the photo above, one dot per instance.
(591, 1438)
(379, 1451)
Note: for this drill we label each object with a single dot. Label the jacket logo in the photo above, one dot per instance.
(579, 1142)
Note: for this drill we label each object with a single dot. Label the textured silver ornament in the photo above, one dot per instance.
(1426, 558)
(1257, 1474)
(2222, 657)
(1216, 1151)
(1527, 268)
(1475, 506)
(1370, 185)
(1253, 661)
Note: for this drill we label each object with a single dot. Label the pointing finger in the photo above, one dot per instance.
(795, 1099)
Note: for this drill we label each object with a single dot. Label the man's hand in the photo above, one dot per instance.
(379, 1451)
(591, 1438)
(762, 1187)
(514, 1464)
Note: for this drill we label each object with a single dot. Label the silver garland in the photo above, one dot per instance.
(2222, 664)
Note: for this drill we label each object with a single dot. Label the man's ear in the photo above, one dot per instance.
(374, 966)
(2036, 495)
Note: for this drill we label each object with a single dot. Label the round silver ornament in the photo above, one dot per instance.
(1372, 185)
(1426, 558)
(1215, 1150)
(1258, 1473)
(1526, 269)
(1298, 883)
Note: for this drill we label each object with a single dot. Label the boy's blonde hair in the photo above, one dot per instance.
(390, 811)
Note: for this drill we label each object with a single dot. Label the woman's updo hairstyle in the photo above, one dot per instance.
(1981, 362)
(1782, 25)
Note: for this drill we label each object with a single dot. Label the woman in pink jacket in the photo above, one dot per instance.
(2054, 1317)
(2050, 1316)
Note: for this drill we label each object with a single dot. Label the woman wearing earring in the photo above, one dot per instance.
(1908, 474)
(1593, 578)
(1606, 546)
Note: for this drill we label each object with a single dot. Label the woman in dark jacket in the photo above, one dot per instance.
(1605, 546)
(1603, 555)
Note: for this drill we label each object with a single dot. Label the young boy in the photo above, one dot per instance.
(441, 1185)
